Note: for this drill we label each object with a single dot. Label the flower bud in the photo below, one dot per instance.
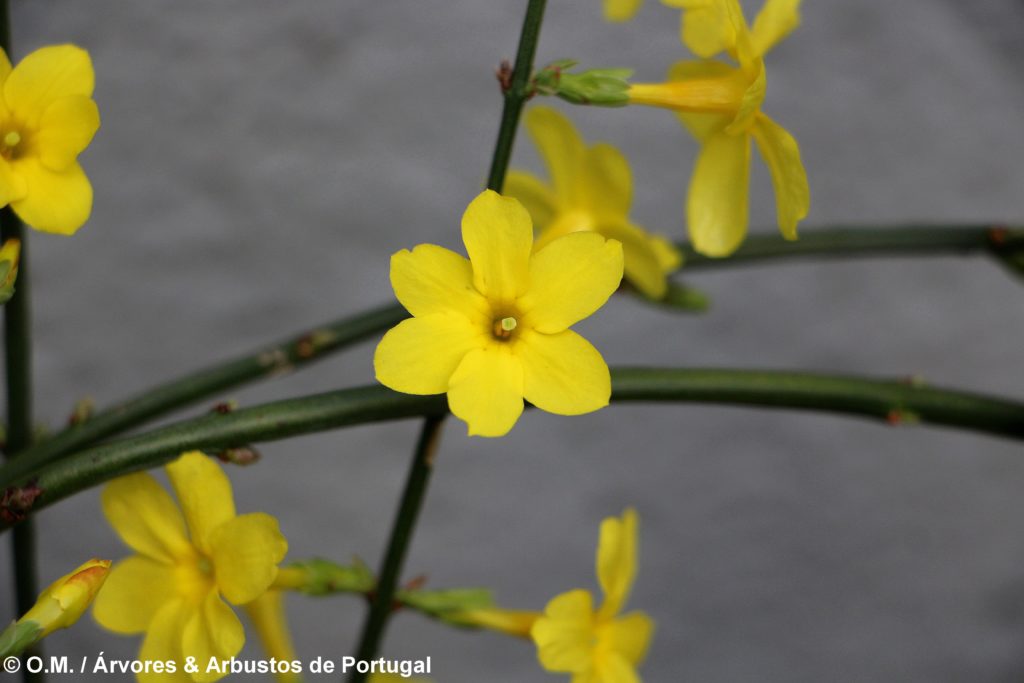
(60, 605)
(9, 254)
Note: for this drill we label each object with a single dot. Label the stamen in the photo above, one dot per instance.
(12, 139)
(503, 328)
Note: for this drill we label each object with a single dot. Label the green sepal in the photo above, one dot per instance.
(443, 604)
(18, 637)
(600, 87)
(324, 577)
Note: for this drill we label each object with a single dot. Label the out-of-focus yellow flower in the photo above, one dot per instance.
(268, 617)
(621, 10)
(47, 117)
(493, 329)
(67, 598)
(721, 106)
(598, 646)
(591, 189)
(174, 589)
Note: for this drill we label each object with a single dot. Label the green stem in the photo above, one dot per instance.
(845, 242)
(906, 402)
(301, 349)
(382, 601)
(18, 366)
(516, 95)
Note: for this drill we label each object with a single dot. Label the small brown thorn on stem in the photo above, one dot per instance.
(504, 75)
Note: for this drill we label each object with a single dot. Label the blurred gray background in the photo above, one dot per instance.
(258, 163)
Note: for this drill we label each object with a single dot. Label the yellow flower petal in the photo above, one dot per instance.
(563, 373)
(616, 560)
(12, 186)
(773, 23)
(511, 622)
(703, 125)
(268, 617)
(614, 669)
(782, 156)
(66, 128)
(486, 390)
(648, 258)
(716, 206)
(621, 10)
(245, 552)
(534, 195)
(5, 67)
(498, 236)
(753, 97)
(146, 518)
(565, 634)
(205, 496)
(44, 76)
(135, 590)
(53, 201)
(163, 643)
(705, 27)
(419, 355)
(562, 149)
(212, 631)
(431, 279)
(607, 182)
(571, 278)
(630, 636)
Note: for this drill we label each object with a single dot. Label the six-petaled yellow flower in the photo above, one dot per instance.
(598, 646)
(493, 329)
(591, 189)
(721, 106)
(47, 117)
(174, 589)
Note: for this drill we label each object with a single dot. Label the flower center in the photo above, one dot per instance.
(504, 327)
(9, 146)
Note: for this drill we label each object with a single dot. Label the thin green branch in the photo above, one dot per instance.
(275, 359)
(515, 94)
(18, 367)
(846, 242)
(383, 599)
(340, 334)
(906, 402)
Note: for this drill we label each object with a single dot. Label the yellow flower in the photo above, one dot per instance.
(721, 106)
(621, 10)
(174, 588)
(591, 189)
(47, 117)
(64, 601)
(494, 329)
(598, 646)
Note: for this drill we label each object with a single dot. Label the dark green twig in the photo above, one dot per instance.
(383, 598)
(516, 94)
(304, 348)
(18, 366)
(905, 402)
